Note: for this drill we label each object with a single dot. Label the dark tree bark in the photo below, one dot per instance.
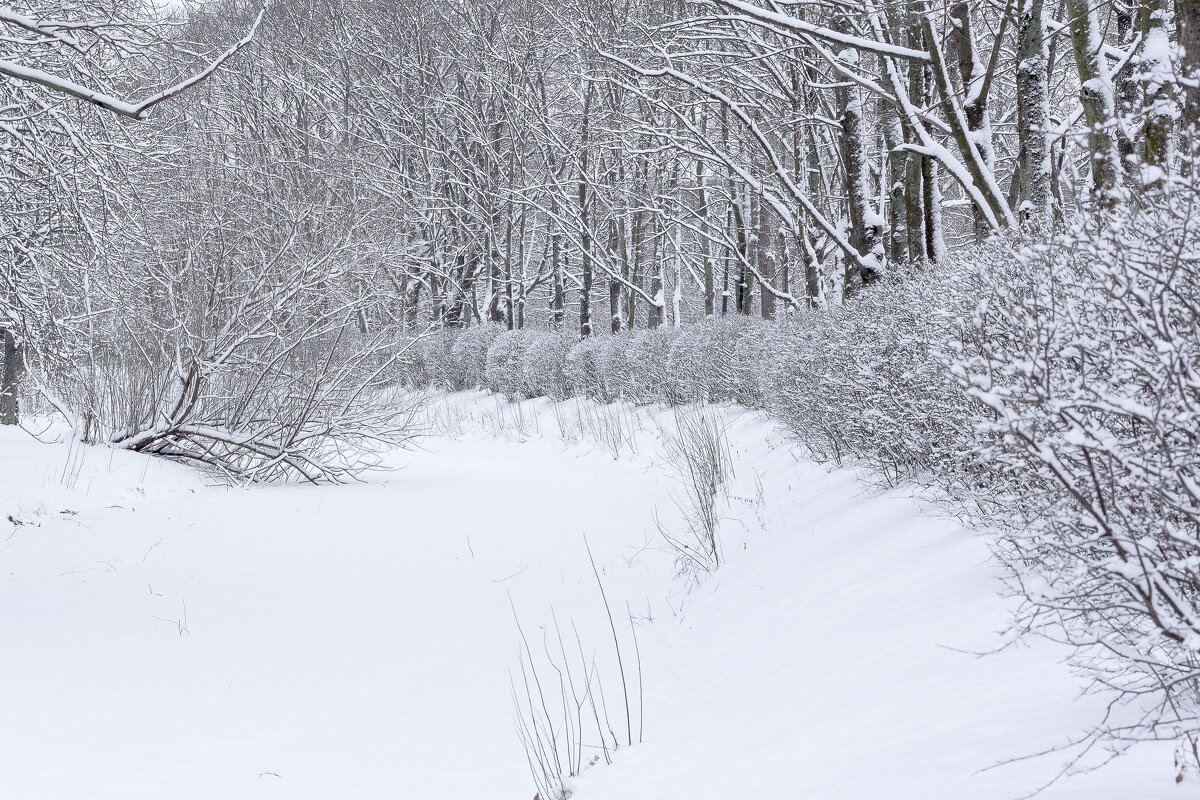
(914, 194)
(765, 261)
(558, 292)
(1187, 25)
(710, 288)
(975, 106)
(585, 235)
(1124, 85)
(10, 378)
(863, 226)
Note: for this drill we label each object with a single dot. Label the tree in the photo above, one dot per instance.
(73, 50)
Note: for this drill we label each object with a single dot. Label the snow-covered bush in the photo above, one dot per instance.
(505, 372)
(867, 382)
(583, 369)
(313, 402)
(545, 364)
(751, 345)
(255, 365)
(612, 365)
(646, 357)
(434, 363)
(470, 351)
(1087, 359)
(702, 361)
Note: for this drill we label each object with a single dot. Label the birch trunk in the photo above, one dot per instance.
(585, 231)
(1033, 114)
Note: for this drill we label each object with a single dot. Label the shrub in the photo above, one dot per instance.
(545, 364)
(505, 364)
(701, 364)
(1086, 358)
(470, 355)
(434, 363)
(751, 338)
(867, 381)
(646, 357)
(612, 365)
(583, 369)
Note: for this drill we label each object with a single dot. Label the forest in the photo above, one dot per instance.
(951, 244)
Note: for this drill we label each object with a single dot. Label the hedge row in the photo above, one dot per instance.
(867, 381)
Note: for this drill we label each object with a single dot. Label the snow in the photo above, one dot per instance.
(169, 638)
(199, 641)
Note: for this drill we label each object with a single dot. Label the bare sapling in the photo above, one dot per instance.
(553, 721)
(697, 448)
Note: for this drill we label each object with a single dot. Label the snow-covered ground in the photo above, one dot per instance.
(166, 638)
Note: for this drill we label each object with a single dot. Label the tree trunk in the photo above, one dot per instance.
(982, 178)
(725, 265)
(658, 257)
(914, 195)
(863, 218)
(813, 259)
(745, 280)
(1096, 96)
(1187, 26)
(436, 301)
(710, 289)
(558, 295)
(677, 290)
(931, 208)
(975, 107)
(520, 309)
(766, 262)
(803, 177)
(510, 317)
(1033, 114)
(1160, 86)
(10, 379)
(897, 159)
(495, 312)
(585, 235)
(1125, 86)
(616, 241)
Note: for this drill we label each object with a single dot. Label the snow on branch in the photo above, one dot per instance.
(134, 110)
(753, 13)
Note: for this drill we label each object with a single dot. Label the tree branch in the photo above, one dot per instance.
(138, 110)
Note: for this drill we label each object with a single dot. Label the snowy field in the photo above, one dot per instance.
(168, 638)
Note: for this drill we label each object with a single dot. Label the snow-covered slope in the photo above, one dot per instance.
(164, 638)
